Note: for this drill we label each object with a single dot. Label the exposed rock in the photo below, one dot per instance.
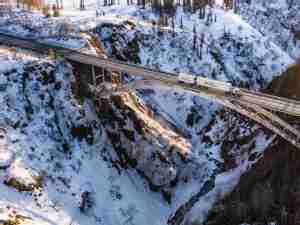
(117, 44)
(270, 187)
(22, 186)
(154, 150)
(270, 190)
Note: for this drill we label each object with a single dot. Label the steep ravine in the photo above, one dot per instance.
(238, 139)
(269, 192)
(121, 160)
(151, 148)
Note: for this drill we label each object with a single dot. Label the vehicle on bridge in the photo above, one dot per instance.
(206, 83)
(187, 78)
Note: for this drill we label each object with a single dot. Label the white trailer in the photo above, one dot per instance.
(214, 84)
(186, 78)
(206, 83)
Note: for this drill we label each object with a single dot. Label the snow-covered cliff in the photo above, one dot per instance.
(119, 161)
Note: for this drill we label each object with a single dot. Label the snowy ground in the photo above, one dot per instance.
(232, 50)
(277, 21)
(54, 168)
(38, 139)
(40, 112)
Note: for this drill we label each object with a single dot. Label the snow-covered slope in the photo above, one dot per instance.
(67, 163)
(231, 51)
(61, 152)
(277, 20)
(59, 149)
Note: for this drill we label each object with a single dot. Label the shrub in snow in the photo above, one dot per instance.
(86, 201)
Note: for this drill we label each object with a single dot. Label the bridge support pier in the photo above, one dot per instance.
(93, 75)
(229, 117)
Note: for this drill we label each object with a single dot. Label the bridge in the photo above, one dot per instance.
(254, 105)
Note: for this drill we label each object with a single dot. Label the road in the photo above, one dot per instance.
(275, 103)
(271, 102)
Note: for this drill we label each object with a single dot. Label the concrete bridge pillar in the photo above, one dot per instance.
(84, 76)
(87, 75)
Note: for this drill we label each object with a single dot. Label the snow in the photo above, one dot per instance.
(40, 119)
(5, 155)
(275, 20)
(36, 149)
(224, 184)
(13, 60)
(75, 44)
(160, 53)
(256, 54)
(37, 145)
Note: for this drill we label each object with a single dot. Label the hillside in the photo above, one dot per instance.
(278, 20)
(155, 156)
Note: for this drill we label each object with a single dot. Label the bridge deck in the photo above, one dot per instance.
(275, 103)
(250, 104)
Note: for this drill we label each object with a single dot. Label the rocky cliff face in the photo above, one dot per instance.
(152, 148)
(220, 137)
(153, 156)
(269, 192)
(237, 53)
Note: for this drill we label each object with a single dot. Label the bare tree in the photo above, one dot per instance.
(181, 23)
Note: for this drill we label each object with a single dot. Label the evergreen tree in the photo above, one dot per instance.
(173, 27)
(181, 23)
(194, 37)
(82, 5)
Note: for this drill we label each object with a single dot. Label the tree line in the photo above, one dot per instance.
(38, 4)
(169, 6)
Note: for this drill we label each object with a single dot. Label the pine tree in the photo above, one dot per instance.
(173, 27)
(209, 18)
(82, 5)
(194, 37)
(181, 23)
(236, 6)
(290, 3)
(201, 45)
